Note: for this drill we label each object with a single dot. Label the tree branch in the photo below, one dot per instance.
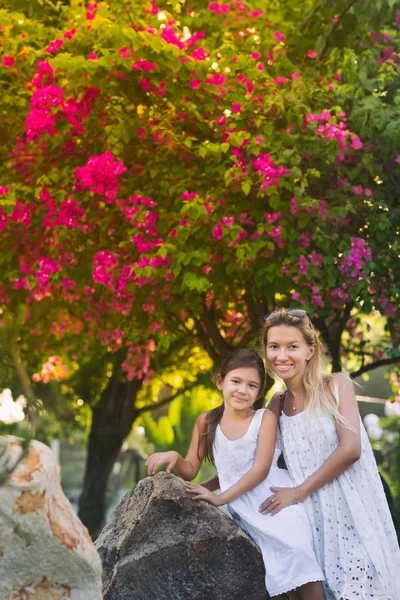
(379, 363)
(335, 26)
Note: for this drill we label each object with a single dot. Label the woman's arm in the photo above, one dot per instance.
(347, 453)
(258, 472)
(187, 467)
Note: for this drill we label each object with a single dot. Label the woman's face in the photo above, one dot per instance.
(287, 351)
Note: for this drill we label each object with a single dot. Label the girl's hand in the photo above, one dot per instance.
(157, 460)
(199, 492)
(281, 498)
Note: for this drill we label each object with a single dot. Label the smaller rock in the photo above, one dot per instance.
(161, 545)
(45, 550)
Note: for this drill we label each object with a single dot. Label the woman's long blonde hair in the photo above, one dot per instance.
(321, 388)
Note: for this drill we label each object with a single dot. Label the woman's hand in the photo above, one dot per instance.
(199, 492)
(281, 498)
(157, 460)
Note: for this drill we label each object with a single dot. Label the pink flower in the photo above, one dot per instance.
(281, 80)
(356, 142)
(169, 36)
(312, 54)
(92, 56)
(195, 83)
(54, 46)
(188, 196)
(368, 192)
(69, 34)
(206, 269)
(335, 19)
(8, 61)
(295, 75)
(302, 265)
(305, 239)
(199, 54)
(272, 217)
(153, 10)
(218, 231)
(358, 189)
(316, 259)
(228, 221)
(316, 300)
(256, 55)
(100, 175)
(236, 107)
(221, 121)
(279, 37)
(3, 190)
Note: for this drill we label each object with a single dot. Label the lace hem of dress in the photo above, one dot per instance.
(290, 587)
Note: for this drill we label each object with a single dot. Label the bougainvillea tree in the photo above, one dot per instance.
(173, 172)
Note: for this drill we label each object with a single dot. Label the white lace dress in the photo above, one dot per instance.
(354, 536)
(285, 539)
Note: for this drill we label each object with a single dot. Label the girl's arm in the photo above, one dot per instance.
(257, 473)
(211, 484)
(187, 467)
(347, 453)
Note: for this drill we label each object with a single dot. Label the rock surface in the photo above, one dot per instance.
(45, 551)
(161, 545)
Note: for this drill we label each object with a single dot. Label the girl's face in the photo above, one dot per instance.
(287, 351)
(240, 388)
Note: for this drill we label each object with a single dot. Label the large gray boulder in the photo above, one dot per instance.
(161, 545)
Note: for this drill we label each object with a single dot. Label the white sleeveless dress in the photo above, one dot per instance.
(285, 539)
(354, 536)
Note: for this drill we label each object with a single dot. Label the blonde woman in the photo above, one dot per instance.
(329, 457)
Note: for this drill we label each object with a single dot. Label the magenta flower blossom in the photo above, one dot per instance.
(219, 9)
(44, 108)
(54, 46)
(302, 264)
(221, 121)
(169, 36)
(279, 37)
(8, 61)
(353, 265)
(199, 54)
(3, 190)
(272, 217)
(269, 171)
(92, 56)
(100, 175)
(153, 10)
(218, 231)
(312, 54)
(236, 107)
(316, 258)
(188, 196)
(228, 221)
(255, 55)
(103, 266)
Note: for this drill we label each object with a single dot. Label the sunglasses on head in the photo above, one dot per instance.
(293, 312)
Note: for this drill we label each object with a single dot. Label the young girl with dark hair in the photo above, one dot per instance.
(329, 458)
(241, 443)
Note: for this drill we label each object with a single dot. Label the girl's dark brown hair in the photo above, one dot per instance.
(241, 359)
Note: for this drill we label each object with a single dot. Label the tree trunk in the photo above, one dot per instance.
(113, 418)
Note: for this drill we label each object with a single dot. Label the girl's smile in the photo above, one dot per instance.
(240, 388)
